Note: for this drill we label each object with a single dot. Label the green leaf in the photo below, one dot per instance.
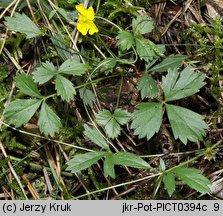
(61, 47)
(44, 73)
(162, 165)
(107, 65)
(109, 169)
(27, 86)
(193, 178)
(52, 13)
(112, 128)
(84, 161)
(72, 67)
(5, 3)
(87, 96)
(148, 87)
(21, 111)
(169, 183)
(95, 136)
(171, 62)
(186, 124)
(142, 24)
(64, 14)
(122, 116)
(124, 159)
(23, 4)
(22, 23)
(147, 119)
(103, 117)
(65, 88)
(125, 40)
(49, 123)
(144, 49)
(110, 121)
(177, 86)
(130, 159)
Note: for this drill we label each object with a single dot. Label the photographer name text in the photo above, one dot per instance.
(23, 207)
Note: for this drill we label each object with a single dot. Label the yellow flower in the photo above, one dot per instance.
(85, 20)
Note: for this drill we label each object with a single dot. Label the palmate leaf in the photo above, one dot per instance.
(23, 24)
(95, 136)
(21, 111)
(112, 128)
(193, 178)
(171, 62)
(186, 124)
(147, 119)
(87, 96)
(72, 67)
(111, 121)
(125, 40)
(27, 86)
(147, 50)
(103, 117)
(49, 123)
(142, 24)
(144, 49)
(65, 88)
(122, 116)
(123, 159)
(84, 161)
(177, 86)
(47, 70)
(148, 87)
(107, 65)
(44, 73)
(169, 183)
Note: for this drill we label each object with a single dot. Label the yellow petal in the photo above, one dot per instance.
(93, 28)
(90, 13)
(82, 18)
(82, 28)
(81, 9)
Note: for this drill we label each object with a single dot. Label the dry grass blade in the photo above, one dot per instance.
(47, 179)
(6, 195)
(51, 161)
(31, 11)
(30, 187)
(13, 171)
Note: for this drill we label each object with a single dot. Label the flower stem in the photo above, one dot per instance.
(119, 91)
